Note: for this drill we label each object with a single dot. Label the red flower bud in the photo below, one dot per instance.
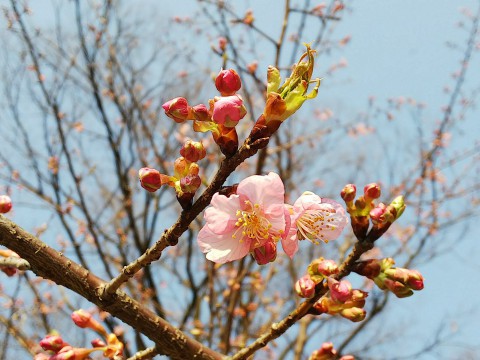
(201, 113)
(177, 109)
(372, 191)
(5, 204)
(266, 253)
(190, 183)
(305, 287)
(348, 193)
(150, 179)
(193, 151)
(228, 82)
(327, 268)
(340, 291)
(52, 343)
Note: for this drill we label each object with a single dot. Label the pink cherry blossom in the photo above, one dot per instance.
(240, 223)
(313, 218)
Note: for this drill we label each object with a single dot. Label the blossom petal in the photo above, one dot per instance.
(221, 216)
(266, 190)
(221, 248)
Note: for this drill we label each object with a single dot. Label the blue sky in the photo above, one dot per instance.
(397, 48)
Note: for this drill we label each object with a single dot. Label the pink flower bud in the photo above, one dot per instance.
(266, 253)
(70, 353)
(98, 343)
(41, 356)
(222, 43)
(348, 193)
(340, 291)
(193, 151)
(52, 343)
(5, 204)
(415, 280)
(177, 109)
(150, 179)
(81, 318)
(190, 183)
(372, 191)
(201, 113)
(228, 82)
(354, 314)
(327, 267)
(377, 214)
(305, 287)
(84, 319)
(228, 110)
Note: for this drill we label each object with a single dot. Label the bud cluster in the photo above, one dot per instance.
(58, 349)
(328, 352)
(185, 180)
(220, 118)
(363, 210)
(284, 100)
(402, 282)
(342, 300)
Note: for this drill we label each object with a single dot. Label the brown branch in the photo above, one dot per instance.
(53, 265)
(277, 329)
(170, 236)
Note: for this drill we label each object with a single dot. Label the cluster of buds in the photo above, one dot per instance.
(220, 118)
(5, 204)
(328, 352)
(284, 100)
(318, 270)
(399, 281)
(185, 180)
(343, 300)
(58, 349)
(363, 210)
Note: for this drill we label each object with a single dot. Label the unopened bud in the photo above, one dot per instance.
(400, 290)
(327, 268)
(340, 291)
(150, 179)
(377, 214)
(348, 193)
(193, 151)
(5, 204)
(190, 183)
(266, 253)
(228, 110)
(177, 109)
(372, 191)
(354, 314)
(201, 113)
(368, 268)
(98, 343)
(180, 167)
(305, 287)
(399, 204)
(228, 82)
(52, 343)
(84, 319)
(222, 43)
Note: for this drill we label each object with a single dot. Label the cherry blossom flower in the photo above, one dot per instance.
(315, 219)
(240, 223)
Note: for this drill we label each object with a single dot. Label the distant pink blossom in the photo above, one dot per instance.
(247, 220)
(315, 219)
